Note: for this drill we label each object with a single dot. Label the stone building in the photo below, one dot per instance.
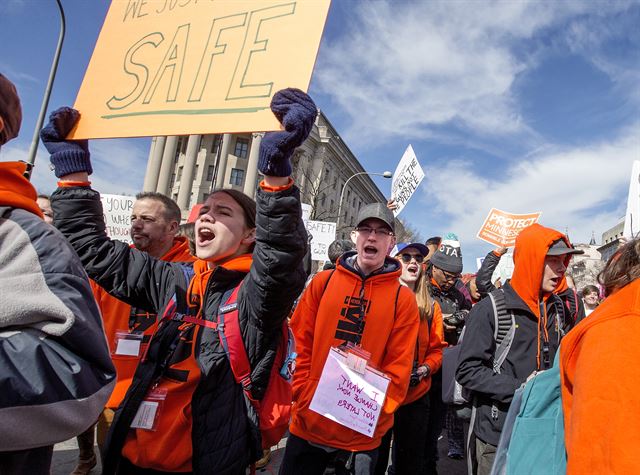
(611, 241)
(187, 168)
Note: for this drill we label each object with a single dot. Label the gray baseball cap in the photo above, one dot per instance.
(560, 248)
(377, 211)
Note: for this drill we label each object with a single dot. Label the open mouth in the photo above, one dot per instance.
(370, 251)
(413, 268)
(205, 236)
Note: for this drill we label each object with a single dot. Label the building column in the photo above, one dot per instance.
(222, 164)
(153, 165)
(186, 181)
(252, 166)
(167, 165)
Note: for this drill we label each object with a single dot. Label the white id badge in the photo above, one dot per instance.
(128, 344)
(149, 410)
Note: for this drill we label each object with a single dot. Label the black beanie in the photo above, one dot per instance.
(448, 256)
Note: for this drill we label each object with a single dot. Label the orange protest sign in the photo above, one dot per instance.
(178, 67)
(501, 228)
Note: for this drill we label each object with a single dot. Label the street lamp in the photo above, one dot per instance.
(386, 174)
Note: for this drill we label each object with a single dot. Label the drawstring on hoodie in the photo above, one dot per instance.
(545, 338)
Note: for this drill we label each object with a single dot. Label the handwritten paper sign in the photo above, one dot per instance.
(406, 179)
(167, 67)
(348, 398)
(322, 235)
(632, 217)
(117, 216)
(501, 228)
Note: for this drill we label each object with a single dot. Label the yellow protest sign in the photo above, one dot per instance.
(501, 227)
(178, 67)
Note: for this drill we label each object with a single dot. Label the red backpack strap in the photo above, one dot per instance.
(231, 338)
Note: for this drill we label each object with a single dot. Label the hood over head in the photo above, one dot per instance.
(532, 245)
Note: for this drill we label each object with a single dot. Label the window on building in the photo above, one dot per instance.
(173, 178)
(242, 148)
(195, 171)
(217, 141)
(323, 199)
(237, 176)
(331, 205)
(179, 174)
(180, 147)
(354, 202)
(210, 171)
(205, 196)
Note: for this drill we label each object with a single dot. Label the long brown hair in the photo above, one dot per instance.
(622, 268)
(423, 297)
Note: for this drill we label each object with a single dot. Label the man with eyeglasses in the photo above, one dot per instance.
(361, 303)
(443, 274)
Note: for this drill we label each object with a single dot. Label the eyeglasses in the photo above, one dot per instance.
(381, 231)
(406, 258)
(449, 275)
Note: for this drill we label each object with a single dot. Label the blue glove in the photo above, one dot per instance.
(67, 156)
(296, 111)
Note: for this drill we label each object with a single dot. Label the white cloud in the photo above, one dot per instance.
(584, 189)
(402, 68)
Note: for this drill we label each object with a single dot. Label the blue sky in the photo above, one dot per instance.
(522, 106)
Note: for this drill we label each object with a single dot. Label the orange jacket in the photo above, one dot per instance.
(430, 344)
(600, 378)
(171, 440)
(321, 322)
(116, 317)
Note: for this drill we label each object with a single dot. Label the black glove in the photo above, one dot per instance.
(296, 111)
(67, 156)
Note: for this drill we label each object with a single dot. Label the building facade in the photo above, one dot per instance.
(611, 241)
(188, 168)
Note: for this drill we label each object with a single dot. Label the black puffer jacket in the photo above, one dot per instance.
(224, 439)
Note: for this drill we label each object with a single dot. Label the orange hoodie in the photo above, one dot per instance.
(15, 189)
(168, 448)
(430, 344)
(600, 378)
(319, 323)
(532, 245)
(116, 317)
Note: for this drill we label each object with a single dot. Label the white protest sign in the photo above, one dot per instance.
(117, 216)
(406, 179)
(348, 398)
(632, 218)
(322, 234)
(504, 269)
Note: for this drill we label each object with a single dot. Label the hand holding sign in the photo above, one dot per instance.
(67, 156)
(297, 112)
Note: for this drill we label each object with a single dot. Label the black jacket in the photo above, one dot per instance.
(224, 439)
(475, 371)
(483, 277)
(451, 301)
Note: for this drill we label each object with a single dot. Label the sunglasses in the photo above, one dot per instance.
(406, 258)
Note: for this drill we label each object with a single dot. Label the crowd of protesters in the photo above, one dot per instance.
(125, 340)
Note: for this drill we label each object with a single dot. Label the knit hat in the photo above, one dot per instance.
(448, 256)
(10, 110)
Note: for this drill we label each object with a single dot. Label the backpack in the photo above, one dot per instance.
(532, 440)
(504, 330)
(273, 409)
